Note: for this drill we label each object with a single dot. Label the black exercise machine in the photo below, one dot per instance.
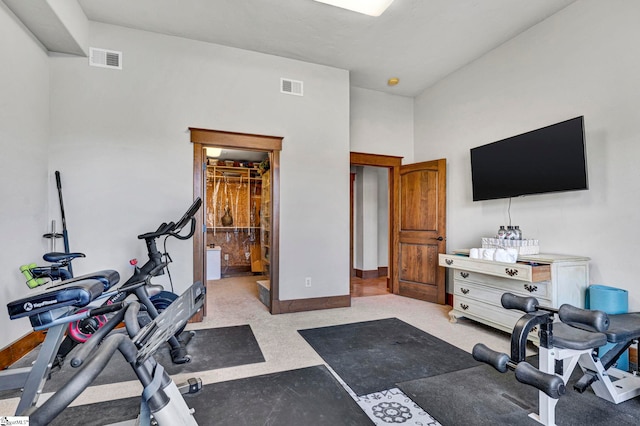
(51, 310)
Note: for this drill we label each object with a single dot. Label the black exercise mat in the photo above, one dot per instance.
(210, 348)
(482, 396)
(373, 356)
(307, 396)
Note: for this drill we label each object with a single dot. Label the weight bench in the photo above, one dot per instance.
(53, 309)
(599, 372)
(574, 341)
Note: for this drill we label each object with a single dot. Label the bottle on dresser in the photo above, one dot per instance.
(518, 232)
(502, 233)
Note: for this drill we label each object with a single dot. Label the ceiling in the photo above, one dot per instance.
(418, 41)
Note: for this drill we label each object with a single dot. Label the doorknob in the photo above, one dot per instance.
(440, 238)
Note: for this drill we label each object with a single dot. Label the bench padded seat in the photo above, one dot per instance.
(568, 337)
(77, 294)
(623, 327)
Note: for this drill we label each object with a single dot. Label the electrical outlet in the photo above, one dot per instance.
(307, 282)
(226, 256)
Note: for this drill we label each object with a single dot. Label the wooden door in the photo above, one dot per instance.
(422, 230)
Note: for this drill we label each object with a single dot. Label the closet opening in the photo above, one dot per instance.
(237, 177)
(236, 213)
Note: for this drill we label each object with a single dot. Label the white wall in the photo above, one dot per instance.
(581, 61)
(381, 123)
(383, 216)
(367, 183)
(24, 181)
(120, 140)
(358, 217)
(371, 218)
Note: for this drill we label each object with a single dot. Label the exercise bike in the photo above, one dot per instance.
(152, 297)
(52, 309)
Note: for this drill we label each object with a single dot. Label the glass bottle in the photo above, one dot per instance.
(518, 232)
(501, 233)
(510, 233)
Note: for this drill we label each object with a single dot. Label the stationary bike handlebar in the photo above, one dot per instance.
(188, 215)
(163, 229)
(173, 228)
(191, 231)
(154, 266)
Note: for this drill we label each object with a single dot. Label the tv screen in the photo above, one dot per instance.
(549, 159)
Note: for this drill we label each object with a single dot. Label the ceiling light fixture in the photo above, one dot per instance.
(393, 81)
(213, 152)
(366, 7)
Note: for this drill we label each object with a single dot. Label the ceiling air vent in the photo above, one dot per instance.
(105, 58)
(290, 87)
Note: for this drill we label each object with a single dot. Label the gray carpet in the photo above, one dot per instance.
(483, 396)
(210, 349)
(307, 396)
(373, 356)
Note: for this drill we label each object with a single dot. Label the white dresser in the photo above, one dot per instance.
(478, 285)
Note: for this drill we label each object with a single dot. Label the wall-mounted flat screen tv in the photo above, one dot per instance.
(549, 159)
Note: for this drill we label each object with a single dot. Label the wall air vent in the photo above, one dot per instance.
(105, 58)
(290, 87)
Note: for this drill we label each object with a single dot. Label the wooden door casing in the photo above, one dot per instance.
(201, 138)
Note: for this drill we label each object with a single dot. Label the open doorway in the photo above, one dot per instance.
(391, 166)
(240, 221)
(237, 217)
(370, 231)
(236, 225)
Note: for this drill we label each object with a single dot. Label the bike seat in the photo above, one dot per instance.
(77, 294)
(108, 278)
(57, 257)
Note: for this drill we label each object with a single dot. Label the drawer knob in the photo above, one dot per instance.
(449, 261)
(464, 274)
(464, 290)
(511, 272)
(530, 288)
(464, 307)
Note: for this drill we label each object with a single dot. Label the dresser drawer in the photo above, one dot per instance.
(485, 293)
(539, 290)
(513, 271)
(499, 317)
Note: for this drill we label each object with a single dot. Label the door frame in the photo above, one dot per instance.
(392, 163)
(201, 138)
